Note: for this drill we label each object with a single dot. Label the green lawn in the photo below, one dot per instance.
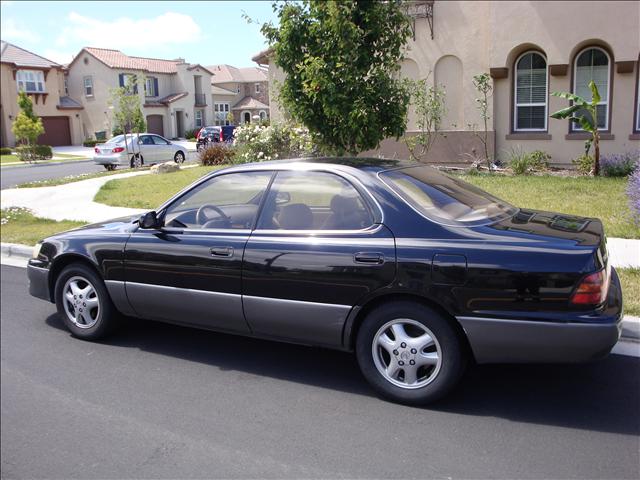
(60, 157)
(74, 178)
(600, 197)
(20, 226)
(630, 278)
(8, 159)
(148, 191)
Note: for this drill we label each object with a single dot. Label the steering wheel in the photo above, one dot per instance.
(202, 218)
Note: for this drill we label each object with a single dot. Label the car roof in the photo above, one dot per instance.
(365, 164)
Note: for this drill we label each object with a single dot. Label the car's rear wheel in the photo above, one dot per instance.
(110, 167)
(178, 157)
(409, 352)
(83, 303)
(137, 161)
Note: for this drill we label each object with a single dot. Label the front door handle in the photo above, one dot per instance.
(222, 251)
(369, 258)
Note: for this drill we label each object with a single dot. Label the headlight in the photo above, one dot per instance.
(36, 250)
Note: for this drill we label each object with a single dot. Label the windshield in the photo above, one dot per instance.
(116, 139)
(445, 199)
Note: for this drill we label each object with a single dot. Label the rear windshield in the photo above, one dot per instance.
(116, 139)
(445, 199)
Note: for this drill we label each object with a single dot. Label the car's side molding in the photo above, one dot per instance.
(118, 294)
(495, 340)
(296, 320)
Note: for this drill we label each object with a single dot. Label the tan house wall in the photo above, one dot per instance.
(472, 37)
(247, 89)
(54, 87)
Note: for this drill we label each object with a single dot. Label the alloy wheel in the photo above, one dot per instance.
(406, 353)
(81, 302)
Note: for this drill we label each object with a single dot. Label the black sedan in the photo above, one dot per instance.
(418, 272)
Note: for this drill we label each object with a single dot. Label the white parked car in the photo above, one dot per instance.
(140, 149)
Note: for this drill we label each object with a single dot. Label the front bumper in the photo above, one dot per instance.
(39, 282)
(582, 339)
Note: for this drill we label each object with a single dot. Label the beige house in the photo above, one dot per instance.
(530, 48)
(243, 92)
(45, 83)
(175, 95)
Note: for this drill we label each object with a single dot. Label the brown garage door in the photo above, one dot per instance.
(56, 131)
(154, 124)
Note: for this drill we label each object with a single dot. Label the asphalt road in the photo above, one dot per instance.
(163, 401)
(12, 176)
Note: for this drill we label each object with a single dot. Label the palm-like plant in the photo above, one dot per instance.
(586, 115)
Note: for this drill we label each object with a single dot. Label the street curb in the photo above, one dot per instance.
(630, 325)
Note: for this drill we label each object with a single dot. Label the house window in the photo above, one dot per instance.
(530, 93)
(88, 86)
(593, 64)
(151, 87)
(30, 81)
(125, 80)
(66, 85)
(199, 119)
(263, 115)
(257, 88)
(221, 113)
(237, 88)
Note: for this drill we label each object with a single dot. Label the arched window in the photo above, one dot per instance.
(246, 117)
(530, 93)
(593, 64)
(263, 115)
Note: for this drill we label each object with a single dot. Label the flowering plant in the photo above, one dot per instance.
(259, 143)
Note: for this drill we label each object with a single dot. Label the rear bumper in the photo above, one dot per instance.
(39, 282)
(584, 338)
(117, 159)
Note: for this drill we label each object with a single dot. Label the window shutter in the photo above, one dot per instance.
(135, 84)
(155, 87)
(121, 79)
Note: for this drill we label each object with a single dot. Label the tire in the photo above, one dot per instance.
(110, 167)
(93, 323)
(137, 161)
(178, 157)
(384, 360)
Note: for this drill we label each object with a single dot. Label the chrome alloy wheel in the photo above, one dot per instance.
(81, 302)
(406, 353)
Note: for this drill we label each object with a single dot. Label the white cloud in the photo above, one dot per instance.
(127, 33)
(58, 56)
(12, 30)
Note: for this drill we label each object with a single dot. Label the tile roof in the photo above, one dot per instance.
(10, 53)
(161, 102)
(227, 73)
(117, 59)
(250, 102)
(69, 103)
(221, 91)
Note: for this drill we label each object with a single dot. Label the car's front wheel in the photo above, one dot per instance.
(409, 352)
(178, 157)
(83, 302)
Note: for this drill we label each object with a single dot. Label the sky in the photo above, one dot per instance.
(208, 33)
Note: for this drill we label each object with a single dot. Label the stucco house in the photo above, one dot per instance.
(244, 92)
(530, 49)
(175, 95)
(45, 83)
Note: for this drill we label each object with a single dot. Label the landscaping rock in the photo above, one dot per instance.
(166, 167)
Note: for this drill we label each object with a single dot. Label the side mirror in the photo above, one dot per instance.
(150, 220)
(282, 198)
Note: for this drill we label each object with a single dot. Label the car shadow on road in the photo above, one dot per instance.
(602, 396)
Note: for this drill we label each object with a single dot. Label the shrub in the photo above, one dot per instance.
(633, 192)
(191, 134)
(584, 164)
(32, 153)
(42, 152)
(216, 154)
(256, 143)
(619, 164)
(91, 143)
(5, 151)
(522, 162)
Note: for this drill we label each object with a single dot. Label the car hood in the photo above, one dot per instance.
(117, 225)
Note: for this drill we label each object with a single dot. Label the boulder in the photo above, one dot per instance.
(166, 167)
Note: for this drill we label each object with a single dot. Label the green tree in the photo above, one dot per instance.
(27, 127)
(127, 114)
(340, 59)
(428, 101)
(584, 113)
(482, 83)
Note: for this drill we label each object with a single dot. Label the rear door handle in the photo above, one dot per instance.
(222, 251)
(369, 258)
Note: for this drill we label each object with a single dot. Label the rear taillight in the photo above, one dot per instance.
(97, 150)
(221, 135)
(117, 150)
(592, 290)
